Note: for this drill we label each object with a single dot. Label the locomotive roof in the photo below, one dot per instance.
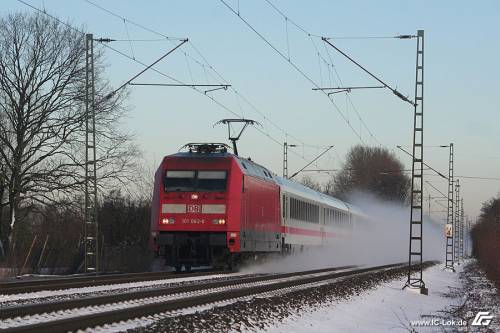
(200, 155)
(249, 167)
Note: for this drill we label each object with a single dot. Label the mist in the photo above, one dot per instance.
(381, 238)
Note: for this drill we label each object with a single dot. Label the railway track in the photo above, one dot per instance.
(75, 314)
(27, 286)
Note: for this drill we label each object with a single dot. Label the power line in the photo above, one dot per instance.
(359, 37)
(204, 65)
(131, 22)
(331, 64)
(469, 177)
(146, 66)
(295, 66)
(288, 19)
(427, 165)
(208, 65)
(434, 187)
(394, 91)
(171, 39)
(140, 40)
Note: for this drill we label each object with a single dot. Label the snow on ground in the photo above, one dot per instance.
(110, 287)
(385, 309)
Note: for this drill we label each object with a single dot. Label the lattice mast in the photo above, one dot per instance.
(285, 160)
(456, 231)
(449, 218)
(462, 227)
(416, 212)
(91, 246)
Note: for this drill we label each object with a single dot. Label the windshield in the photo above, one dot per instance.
(192, 181)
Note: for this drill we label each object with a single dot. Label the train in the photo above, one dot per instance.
(213, 208)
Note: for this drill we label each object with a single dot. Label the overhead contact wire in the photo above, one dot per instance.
(198, 63)
(293, 65)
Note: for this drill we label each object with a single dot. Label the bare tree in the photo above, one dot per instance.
(311, 183)
(375, 170)
(42, 76)
(3, 192)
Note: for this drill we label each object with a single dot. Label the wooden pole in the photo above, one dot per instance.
(29, 253)
(38, 265)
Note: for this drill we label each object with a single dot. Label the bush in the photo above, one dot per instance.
(486, 240)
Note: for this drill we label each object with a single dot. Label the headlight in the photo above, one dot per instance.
(167, 221)
(219, 221)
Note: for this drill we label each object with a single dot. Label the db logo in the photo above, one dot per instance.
(194, 209)
(483, 318)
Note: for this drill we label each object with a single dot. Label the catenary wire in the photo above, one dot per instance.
(207, 64)
(310, 35)
(153, 69)
(295, 66)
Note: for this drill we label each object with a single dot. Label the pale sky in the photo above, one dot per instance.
(462, 78)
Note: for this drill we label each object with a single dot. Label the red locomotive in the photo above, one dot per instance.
(214, 208)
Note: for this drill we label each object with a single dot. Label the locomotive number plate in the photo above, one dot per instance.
(194, 208)
(193, 221)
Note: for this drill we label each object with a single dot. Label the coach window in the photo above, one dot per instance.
(283, 205)
(308, 216)
(295, 209)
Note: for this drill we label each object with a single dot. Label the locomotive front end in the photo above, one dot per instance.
(192, 224)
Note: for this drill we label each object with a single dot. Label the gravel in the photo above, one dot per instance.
(261, 312)
(73, 293)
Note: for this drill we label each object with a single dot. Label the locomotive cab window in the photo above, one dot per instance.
(181, 181)
(211, 181)
(191, 181)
